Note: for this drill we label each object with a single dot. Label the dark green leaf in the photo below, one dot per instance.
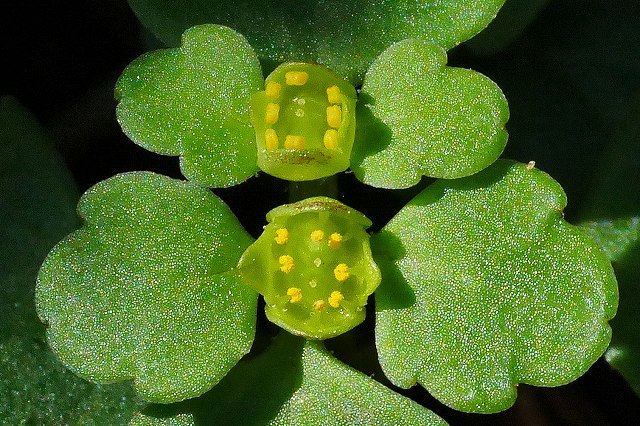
(421, 117)
(486, 286)
(37, 199)
(294, 385)
(343, 35)
(143, 290)
(193, 101)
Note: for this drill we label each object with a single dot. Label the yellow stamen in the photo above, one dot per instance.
(334, 116)
(271, 139)
(293, 142)
(295, 294)
(272, 89)
(286, 263)
(282, 236)
(335, 240)
(317, 235)
(333, 94)
(318, 305)
(335, 298)
(296, 78)
(341, 272)
(272, 113)
(331, 139)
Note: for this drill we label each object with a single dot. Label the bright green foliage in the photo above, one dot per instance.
(142, 291)
(193, 101)
(37, 199)
(293, 383)
(343, 35)
(304, 122)
(486, 286)
(420, 117)
(313, 266)
(177, 420)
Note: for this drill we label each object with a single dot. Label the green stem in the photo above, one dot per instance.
(312, 188)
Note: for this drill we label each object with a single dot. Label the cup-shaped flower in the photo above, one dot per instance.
(313, 265)
(304, 121)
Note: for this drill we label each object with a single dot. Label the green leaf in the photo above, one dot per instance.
(421, 117)
(345, 36)
(486, 286)
(140, 419)
(193, 101)
(620, 240)
(143, 290)
(37, 199)
(292, 384)
(512, 20)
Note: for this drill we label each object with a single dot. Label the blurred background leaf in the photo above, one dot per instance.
(37, 208)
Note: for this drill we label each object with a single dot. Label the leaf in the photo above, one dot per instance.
(486, 286)
(143, 290)
(620, 240)
(344, 36)
(423, 118)
(292, 384)
(37, 198)
(193, 101)
(512, 20)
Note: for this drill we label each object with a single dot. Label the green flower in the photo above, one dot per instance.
(206, 102)
(313, 265)
(482, 284)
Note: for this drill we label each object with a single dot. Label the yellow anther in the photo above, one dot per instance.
(272, 113)
(334, 116)
(295, 294)
(335, 298)
(331, 139)
(317, 235)
(271, 139)
(296, 78)
(282, 236)
(341, 272)
(272, 89)
(333, 94)
(318, 305)
(286, 263)
(335, 240)
(293, 142)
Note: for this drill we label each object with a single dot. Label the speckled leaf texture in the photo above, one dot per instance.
(419, 117)
(343, 35)
(37, 199)
(143, 291)
(193, 101)
(297, 383)
(484, 286)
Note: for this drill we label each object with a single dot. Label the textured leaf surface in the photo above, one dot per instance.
(142, 291)
(193, 101)
(420, 117)
(292, 384)
(485, 286)
(345, 36)
(37, 199)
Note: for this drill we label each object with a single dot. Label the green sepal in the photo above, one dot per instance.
(344, 35)
(486, 286)
(419, 117)
(313, 265)
(143, 290)
(304, 122)
(193, 101)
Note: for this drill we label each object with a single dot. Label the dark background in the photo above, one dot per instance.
(568, 78)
